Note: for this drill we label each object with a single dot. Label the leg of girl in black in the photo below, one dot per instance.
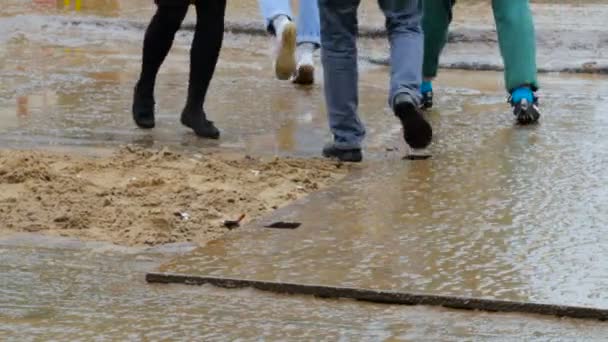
(157, 43)
(204, 54)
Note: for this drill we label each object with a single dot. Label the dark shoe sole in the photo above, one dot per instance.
(427, 101)
(305, 75)
(144, 124)
(527, 114)
(213, 132)
(348, 156)
(285, 65)
(417, 132)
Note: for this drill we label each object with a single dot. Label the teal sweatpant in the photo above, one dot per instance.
(516, 38)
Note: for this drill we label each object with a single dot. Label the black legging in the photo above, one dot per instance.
(204, 52)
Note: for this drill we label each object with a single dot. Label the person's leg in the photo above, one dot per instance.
(204, 54)
(437, 15)
(406, 41)
(279, 23)
(157, 43)
(516, 37)
(309, 39)
(309, 26)
(271, 9)
(339, 58)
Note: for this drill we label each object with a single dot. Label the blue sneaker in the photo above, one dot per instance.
(525, 105)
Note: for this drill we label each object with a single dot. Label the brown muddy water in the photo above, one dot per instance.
(61, 290)
(498, 212)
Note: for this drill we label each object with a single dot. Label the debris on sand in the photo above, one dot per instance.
(140, 196)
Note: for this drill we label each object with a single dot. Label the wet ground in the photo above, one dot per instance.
(498, 212)
(481, 218)
(58, 290)
(69, 69)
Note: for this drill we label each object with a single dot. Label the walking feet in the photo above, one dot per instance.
(196, 119)
(143, 115)
(292, 61)
(416, 130)
(525, 105)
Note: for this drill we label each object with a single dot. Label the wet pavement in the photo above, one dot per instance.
(55, 289)
(498, 212)
(69, 67)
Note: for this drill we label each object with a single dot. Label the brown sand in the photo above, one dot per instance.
(137, 196)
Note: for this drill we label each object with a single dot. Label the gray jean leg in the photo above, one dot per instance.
(339, 58)
(403, 24)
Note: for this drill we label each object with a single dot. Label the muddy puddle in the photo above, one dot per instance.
(498, 211)
(62, 290)
(68, 69)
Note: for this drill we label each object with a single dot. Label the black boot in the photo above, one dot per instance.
(416, 130)
(196, 119)
(143, 109)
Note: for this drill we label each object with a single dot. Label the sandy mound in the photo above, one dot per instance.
(148, 197)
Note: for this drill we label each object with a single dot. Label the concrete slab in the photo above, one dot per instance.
(499, 212)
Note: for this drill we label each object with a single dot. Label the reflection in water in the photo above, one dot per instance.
(22, 106)
(64, 291)
(19, 115)
(286, 136)
(500, 211)
(99, 7)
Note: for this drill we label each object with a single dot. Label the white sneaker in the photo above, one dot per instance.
(285, 61)
(305, 70)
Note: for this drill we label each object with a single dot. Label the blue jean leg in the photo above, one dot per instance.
(270, 9)
(308, 19)
(403, 24)
(339, 58)
(309, 26)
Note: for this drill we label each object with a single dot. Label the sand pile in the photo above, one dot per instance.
(138, 196)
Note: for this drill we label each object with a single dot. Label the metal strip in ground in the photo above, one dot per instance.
(387, 297)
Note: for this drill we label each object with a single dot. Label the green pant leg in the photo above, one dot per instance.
(517, 41)
(437, 15)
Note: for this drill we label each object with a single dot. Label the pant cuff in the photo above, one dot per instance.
(413, 94)
(273, 16)
(316, 40)
(346, 146)
(534, 86)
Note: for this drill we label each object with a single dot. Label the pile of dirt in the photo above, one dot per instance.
(148, 197)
